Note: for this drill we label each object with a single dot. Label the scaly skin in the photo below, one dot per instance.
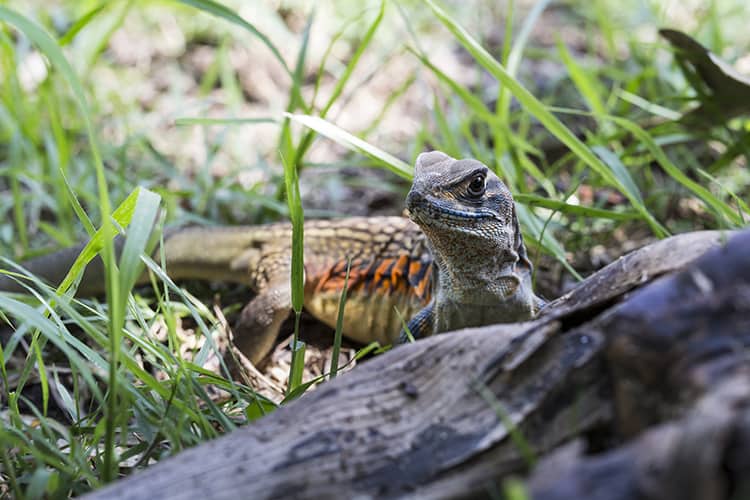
(468, 216)
(391, 269)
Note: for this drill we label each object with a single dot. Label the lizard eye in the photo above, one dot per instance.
(477, 186)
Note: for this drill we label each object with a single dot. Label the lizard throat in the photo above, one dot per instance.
(474, 253)
(490, 284)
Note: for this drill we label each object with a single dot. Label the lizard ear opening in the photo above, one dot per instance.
(518, 244)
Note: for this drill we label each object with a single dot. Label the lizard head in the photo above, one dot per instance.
(469, 218)
(461, 198)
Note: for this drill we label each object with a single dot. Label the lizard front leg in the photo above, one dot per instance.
(421, 325)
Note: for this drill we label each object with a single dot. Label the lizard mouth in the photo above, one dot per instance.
(430, 212)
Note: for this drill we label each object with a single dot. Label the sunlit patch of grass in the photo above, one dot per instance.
(119, 415)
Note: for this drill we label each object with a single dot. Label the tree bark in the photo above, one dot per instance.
(455, 414)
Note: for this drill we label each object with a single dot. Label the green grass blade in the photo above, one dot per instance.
(404, 325)
(297, 101)
(15, 185)
(511, 427)
(529, 221)
(230, 86)
(8, 466)
(109, 23)
(618, 170)
(512, 62)
(306, 141)
(81, 23)
(393, 98)
(77, 208)
(259, 408)
(530, 19)
(475, 103)
(742, 207)
(515, 489)
(540, 111)
(331, 131)
(297, 366)
(123, 215)
(228, 14)
(587, 86)
(448, 142)
(42, 371)
(297, 218)
(339, 324)
(321, 71)
(644, 104)
(223, 121)
(301, 389)
(140, 233)
(566, 208)
(296, 214)
(349, 69)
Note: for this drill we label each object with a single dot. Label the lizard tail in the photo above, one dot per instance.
(220, 253)
(53, 268)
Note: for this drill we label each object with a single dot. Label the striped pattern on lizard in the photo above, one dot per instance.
(391, 269)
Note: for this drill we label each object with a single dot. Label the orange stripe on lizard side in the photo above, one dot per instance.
(400, 274)
(382, 272)
(397, 273)
(387, 276)
(423, 288)
(334, 277)
(414, 267)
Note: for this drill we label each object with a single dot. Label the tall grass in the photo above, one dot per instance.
(129, 415)
(102, 411)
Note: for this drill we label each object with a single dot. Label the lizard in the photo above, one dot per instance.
(399, 268)
(483, 270)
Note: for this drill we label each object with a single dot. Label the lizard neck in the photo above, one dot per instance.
(479, 282)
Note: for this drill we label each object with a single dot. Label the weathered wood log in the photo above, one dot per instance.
(702, 456)
(677, 352)
(453, 415)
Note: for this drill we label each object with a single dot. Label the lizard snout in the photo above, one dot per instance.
(414, 200)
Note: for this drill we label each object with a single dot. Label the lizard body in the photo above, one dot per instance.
(391, 269)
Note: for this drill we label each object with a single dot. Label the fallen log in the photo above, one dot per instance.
(453, 415)
(702, 456)
(677, 352)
